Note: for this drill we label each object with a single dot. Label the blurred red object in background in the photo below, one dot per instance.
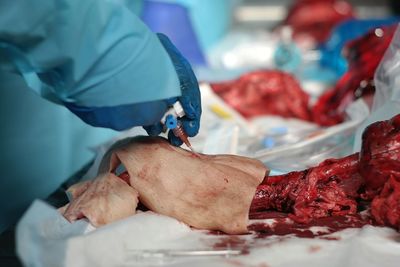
(265, 92)
(272, 92)
(363, 55)
(315, 19)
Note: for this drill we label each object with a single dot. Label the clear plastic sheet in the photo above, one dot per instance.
(303, 149)
(386, 101)
(283, 144)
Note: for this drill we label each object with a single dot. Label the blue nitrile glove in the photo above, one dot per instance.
(189, 99)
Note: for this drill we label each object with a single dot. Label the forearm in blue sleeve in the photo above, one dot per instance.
(92, 53)
(121, 117)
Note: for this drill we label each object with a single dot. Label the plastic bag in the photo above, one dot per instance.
(310, 147)
(386, 101)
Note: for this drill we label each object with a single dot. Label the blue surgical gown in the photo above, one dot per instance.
(91, 53)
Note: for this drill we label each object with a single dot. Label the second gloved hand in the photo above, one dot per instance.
(190, 97)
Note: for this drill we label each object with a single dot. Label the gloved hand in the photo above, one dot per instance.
(190, 98)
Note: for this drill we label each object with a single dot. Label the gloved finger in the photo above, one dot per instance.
(192, 108)
(154, 130)
(191, 127)
(175, 141)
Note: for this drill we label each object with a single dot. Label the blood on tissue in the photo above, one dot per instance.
(125, 177)
(283, 226)
(238, 263)
(313, 249)
(195, 155)
(232, 242)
